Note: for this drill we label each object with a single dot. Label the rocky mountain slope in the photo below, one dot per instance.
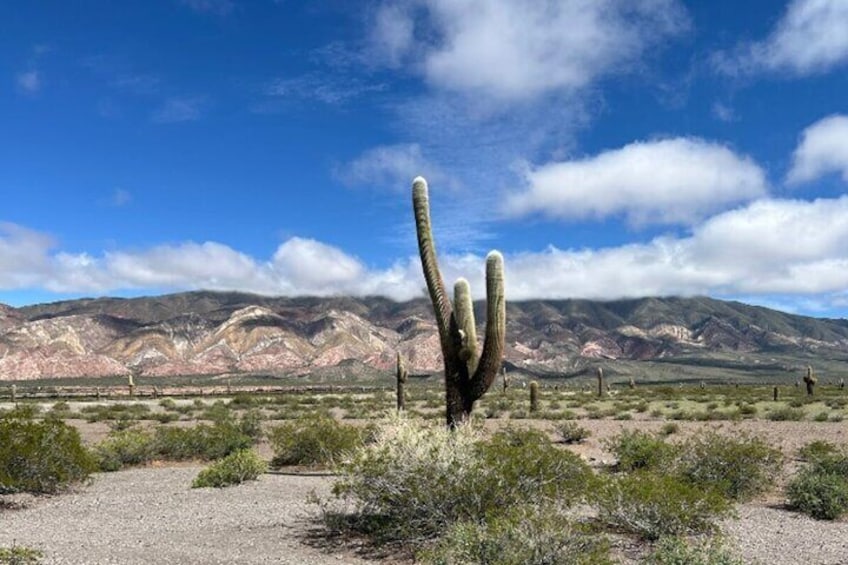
(206, 333)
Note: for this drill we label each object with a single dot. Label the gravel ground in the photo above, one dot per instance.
(150, 515)
(769, 535)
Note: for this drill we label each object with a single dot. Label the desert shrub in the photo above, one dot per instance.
(19, 555)
(747, 410)
(654, 505)
(41, 456)
(739, 467)
(524, 465)
(234, 469)
(786, 413)
(677, 551)
(165, 417)
(817, 449)
(250, 423)
(572, 432)
(669, 428)
(312, 440)
(821, 417)
(640, 450)
(122, 448)
(199, 442)
(526, 535)
(820, 488)
(415, 479)
(168, 403)
(817, 493)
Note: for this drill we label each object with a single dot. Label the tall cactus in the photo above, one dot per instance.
(401, 374)
(810, 380)
(467, 376)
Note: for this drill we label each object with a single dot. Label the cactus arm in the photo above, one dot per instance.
(464, 312)
(427, 250)
(494, 343)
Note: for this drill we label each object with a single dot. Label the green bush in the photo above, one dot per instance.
(572, 432)
(641, 450)
(526, 535)
(654, 505)
(817, 449)
(199, 442)
(677, 551)
(820, 489)
(786, 413)
(312, 440)
(818, 493)
(415, 479)
(122, 448)
(524, 466)
(41, 456)
(234, 469)
(738, 467)
(19, 555)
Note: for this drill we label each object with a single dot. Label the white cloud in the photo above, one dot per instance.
(679, 180)
(810, 38)
(742, 252)
(724, 112)
(29, 81)
(176, 110)
(121, 197)
(327, 88)
(516, 50)
(823, 149)
(392, 167)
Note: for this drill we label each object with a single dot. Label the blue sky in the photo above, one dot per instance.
(608, 148)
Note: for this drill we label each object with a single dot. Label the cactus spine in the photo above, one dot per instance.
(467, 376)
(810, 380)
(534, 396)
(600, 381)
(402, 374)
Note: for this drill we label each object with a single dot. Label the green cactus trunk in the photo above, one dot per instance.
(402, 375)
(534, 396)
(810, 381)
(600, 381)
(467, 376)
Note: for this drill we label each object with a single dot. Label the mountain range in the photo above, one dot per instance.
(212, 333)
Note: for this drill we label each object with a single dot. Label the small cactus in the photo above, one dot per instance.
(534, 396)
(810, 381)
(402, 375)
(505, 379)
(775, 394)
(14, 393)
(600, 381)
(631, 383)
(131, 384)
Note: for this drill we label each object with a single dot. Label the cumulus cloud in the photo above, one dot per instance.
(823, 149)
(514, 50)
(742, 252)
(679, 180)
(810, 38)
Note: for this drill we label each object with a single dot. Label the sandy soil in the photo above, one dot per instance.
(151, 515)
